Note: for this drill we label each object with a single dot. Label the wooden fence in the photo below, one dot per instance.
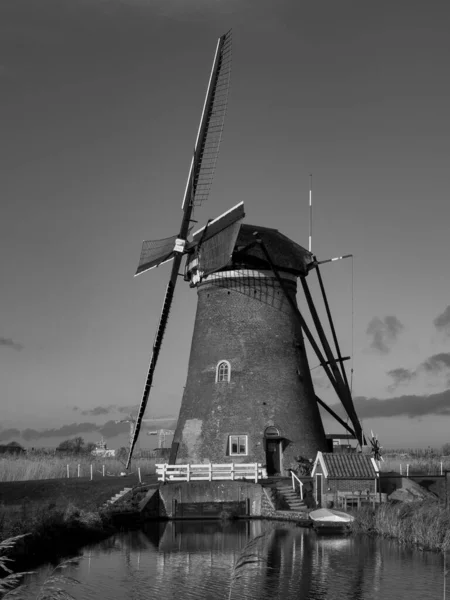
(211, 472)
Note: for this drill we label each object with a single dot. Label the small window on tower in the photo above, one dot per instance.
(238, 445)
(223, 372)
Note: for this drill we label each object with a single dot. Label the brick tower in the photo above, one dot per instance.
(249, 395)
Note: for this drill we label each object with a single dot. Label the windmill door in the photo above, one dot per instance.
(273, 457)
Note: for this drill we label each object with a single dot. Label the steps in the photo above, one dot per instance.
(119, 496)
(291, 497)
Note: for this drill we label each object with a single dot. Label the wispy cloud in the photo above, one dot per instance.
(442, 322)
(437, 363)
(407, 405)
(126, 410)
(9, 434)
(64, 431)
(401, 376)
(99, 410)
(9, 343)
(383, 333)
(436, 366)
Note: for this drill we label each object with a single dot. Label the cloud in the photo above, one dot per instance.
(110, 429)
(384, 333)
(437, 363)
(400, 376)
(126, 410)
(64, 431)
(99, 410)
(442, 322)
(75, 408)
(407, 405)
(9, 343)
(8, 434)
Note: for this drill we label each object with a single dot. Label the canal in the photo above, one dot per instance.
(197, 560)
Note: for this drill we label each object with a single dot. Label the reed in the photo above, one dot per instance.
(420, 465)
(425, 524)
(34, 467)
(11, 580)
(251, 556)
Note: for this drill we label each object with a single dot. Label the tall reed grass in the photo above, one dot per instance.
(33, 467)
(424, 523)
(419, 465)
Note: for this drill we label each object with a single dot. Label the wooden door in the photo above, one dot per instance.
(273, 457)
(319, 489)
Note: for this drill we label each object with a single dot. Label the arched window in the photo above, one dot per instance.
(223, 371)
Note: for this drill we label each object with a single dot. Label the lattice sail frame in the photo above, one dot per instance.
(199, 182)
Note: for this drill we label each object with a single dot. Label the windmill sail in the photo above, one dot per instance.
(216, 241)
(155, 253)
(210, 130)
(197, 189)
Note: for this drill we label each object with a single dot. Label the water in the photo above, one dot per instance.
(194, 560)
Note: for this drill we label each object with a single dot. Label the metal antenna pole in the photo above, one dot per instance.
(310, 213)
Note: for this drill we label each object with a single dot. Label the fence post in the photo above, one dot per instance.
(232, 471)
(67, 471)
(442, 472)
(256, 472)
(91, 472)
(188, 472)
(210, 472)
(401, 469)
(139, 474)
(78, 470)
(407, 470)
(103, 470)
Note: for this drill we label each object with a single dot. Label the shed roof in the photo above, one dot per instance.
(346, 465)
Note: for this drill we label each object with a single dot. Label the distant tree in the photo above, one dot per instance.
(73, 446)
(89, 447)
(446, 449)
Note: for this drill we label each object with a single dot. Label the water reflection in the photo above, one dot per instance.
(251, 559)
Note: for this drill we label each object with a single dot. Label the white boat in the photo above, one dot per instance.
(329, 519)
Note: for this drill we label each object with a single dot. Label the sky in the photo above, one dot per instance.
(100, 103)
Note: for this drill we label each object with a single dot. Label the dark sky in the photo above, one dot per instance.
(99, 104)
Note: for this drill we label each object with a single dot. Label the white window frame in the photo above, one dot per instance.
(239, 438)
(227, 380)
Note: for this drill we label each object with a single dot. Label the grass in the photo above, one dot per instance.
(425, 524)
(417, 465)
(32, 467)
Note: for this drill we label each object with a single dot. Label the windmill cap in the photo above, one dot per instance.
(285, 254)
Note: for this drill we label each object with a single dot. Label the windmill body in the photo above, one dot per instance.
(248, 395)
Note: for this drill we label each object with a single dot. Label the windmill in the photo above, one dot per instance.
(249, 393)
(376, 447)
(161, 433)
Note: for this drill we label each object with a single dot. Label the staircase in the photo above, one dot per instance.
(290, 497)
(119, 496)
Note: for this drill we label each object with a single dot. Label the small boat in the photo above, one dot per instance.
(329, 520)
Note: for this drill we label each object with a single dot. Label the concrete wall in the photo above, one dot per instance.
(215, 491)
(433, 483)
(251, 325)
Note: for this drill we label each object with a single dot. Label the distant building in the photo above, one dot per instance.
(343, 472)
(12, 448)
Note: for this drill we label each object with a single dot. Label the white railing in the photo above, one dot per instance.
(295, 478)
(210, 472)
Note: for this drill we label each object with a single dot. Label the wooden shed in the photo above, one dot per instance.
(337, 477)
